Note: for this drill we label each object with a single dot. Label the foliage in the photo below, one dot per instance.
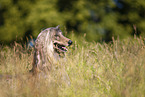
(116, 69)
(100, 20)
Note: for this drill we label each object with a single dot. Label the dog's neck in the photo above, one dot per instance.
(50, 49)
(58, 56)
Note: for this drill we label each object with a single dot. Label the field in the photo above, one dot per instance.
(115, 69)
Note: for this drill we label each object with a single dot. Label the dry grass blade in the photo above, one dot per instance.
(116, 69)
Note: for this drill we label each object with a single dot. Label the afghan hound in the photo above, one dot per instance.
(50, 46)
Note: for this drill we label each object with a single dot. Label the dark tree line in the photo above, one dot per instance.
(99, 19)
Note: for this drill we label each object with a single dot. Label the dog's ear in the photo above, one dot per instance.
(58, 27)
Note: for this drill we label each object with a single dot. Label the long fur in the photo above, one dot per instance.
(45, 52)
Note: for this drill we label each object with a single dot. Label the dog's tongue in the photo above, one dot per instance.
(64, 48)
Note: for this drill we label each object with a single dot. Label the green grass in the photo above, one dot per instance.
(115, 69)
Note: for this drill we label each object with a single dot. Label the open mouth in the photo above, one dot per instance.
(60, 47)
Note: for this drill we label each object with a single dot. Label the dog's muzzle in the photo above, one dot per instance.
(70, 42)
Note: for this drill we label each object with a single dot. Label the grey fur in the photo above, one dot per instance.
(50, 45)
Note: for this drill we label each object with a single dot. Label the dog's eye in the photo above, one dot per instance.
(57, 37)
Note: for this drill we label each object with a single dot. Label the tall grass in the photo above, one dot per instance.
(116, 69)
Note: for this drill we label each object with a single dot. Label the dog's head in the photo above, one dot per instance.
(60, 42)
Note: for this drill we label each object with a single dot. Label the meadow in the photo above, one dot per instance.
(114, 69)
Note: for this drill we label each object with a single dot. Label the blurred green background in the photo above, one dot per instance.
(98, 19)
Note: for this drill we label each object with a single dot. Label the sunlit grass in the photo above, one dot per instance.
(116, 69)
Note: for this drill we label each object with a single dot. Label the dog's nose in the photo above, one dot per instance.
(69, 42)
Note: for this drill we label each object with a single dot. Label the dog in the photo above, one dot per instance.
(50, 46)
